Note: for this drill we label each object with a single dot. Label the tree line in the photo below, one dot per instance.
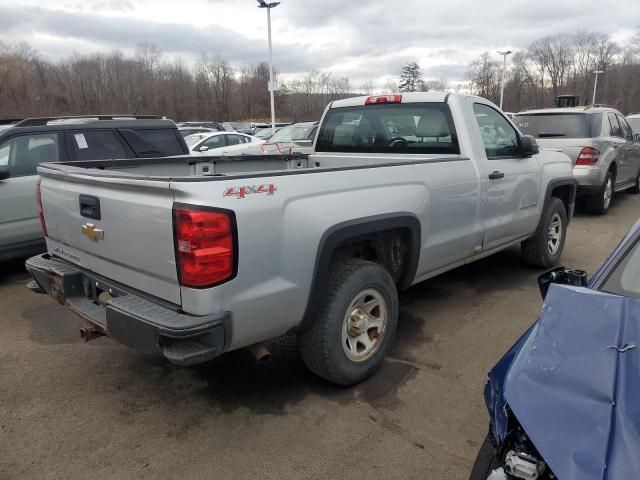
(563, 65)
(149, 83)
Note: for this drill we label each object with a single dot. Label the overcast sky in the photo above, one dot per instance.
(360, 39)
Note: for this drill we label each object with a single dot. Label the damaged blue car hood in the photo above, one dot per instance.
(574, 386)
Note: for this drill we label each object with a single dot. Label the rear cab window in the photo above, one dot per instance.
(408, 128)
(560, 125)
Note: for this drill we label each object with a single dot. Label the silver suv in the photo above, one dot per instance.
(600, 142)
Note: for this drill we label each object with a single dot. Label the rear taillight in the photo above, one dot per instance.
(206, 249)
(43, 226)
(588, 156)
(383, 99)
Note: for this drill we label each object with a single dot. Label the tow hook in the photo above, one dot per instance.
(90, 332)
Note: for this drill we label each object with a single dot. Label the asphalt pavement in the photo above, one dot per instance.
(70, 409)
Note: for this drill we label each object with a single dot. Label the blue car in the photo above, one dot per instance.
(564, 402)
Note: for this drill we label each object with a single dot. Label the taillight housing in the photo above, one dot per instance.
(588, 156)
(377, 99)
(206, 245)
(43, 226)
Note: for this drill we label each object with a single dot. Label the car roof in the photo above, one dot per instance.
(569, 110)
(87, 124)
(634, 115)
(407, 97)
(302, 124)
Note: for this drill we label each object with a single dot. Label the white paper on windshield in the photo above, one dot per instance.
(81, 141)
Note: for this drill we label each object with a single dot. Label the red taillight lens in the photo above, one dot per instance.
(205, 246)
(588, 156)
(43, 226)
(383, 99)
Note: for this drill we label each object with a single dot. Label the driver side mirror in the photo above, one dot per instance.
(4, 172)
(561, 276)
(204, 148)
(528, 146)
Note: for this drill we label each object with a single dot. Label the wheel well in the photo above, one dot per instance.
(614, 169)
(389, 248)
(566, 193)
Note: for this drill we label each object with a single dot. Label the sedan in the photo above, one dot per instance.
(223, 143)
(563, 401)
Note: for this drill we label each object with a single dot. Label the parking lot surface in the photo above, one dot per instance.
(70, 409)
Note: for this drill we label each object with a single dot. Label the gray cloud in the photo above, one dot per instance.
(374, 37)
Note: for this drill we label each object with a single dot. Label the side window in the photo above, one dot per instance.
(156, 142)
(498, 135)
(214, 142)
(234, 139)
(627, 133)
(97, 145)
(614, 126)
(23, 154)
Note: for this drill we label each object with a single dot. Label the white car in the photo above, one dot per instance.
(225, 143)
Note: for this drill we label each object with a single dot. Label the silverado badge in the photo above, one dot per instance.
(92, 232)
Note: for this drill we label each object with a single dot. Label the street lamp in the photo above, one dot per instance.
(504, 69)
(271, 84)
(595, 85)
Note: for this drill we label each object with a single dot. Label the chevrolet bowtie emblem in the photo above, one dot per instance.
(90, 230)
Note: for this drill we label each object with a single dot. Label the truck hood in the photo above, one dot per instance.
(574, 385)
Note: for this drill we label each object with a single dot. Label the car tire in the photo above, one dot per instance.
(636, 188)
(354, 326)
(599, 203)
(485, 461)
(544, 249)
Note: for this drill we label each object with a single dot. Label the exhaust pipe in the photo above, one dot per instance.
(90, 332)
(260, 352)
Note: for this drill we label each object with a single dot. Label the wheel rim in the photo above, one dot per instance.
(555, 234)
(608, 193)
(364, 325)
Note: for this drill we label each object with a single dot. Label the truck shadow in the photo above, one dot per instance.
(13, 270)
(236, 380)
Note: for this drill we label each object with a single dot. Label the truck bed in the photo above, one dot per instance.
(203, 167)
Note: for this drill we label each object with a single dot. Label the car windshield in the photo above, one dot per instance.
(264, 133)
(560, 125)
(290, 134)
(625, 279)
(635, 124)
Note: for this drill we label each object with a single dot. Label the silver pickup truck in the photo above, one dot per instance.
(192, 257)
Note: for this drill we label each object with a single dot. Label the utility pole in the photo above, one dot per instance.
(595, 85)
(271, 85)
(504, 70)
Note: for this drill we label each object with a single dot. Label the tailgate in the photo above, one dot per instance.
(129, 241)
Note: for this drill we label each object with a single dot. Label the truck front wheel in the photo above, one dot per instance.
(355, 324)
(545, 247)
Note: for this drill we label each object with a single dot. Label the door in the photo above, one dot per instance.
(19, 222)
(513, 181)
(630, 158)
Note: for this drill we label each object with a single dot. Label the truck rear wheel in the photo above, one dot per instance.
(355, 324)
(545, 247)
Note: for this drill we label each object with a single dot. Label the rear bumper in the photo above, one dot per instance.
(590, 178)
(131, 319)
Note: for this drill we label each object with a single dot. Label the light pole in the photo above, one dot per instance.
(595, 85)
(271, 84)
(504, 69)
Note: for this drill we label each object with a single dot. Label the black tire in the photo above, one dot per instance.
(636, 188)
(536, 250)
(597, 203)
(485, 461)
(320, 344)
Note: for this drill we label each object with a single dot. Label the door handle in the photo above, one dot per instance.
(495, 175)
